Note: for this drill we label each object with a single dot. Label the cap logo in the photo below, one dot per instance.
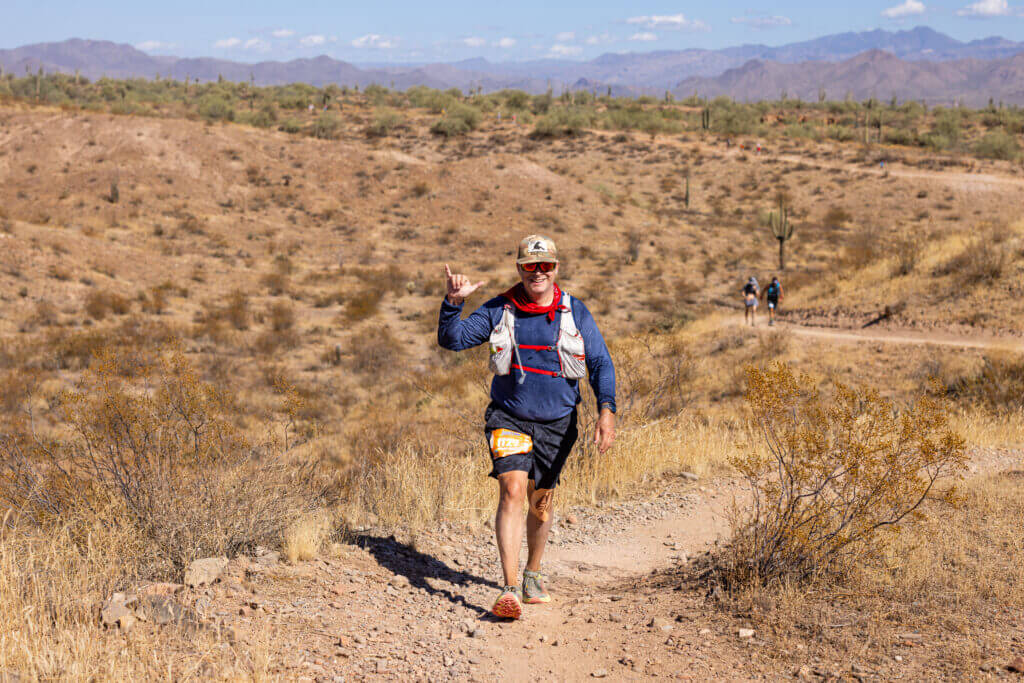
(537, 246)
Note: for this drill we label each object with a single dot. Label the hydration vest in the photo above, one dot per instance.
(572, 357)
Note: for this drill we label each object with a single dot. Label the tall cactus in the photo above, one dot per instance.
(686, 197)
(705, 118)
(781, 228)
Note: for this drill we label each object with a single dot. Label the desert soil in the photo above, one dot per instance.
(413, 605)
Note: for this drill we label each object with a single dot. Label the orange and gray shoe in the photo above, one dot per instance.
(535, 588)
(509, 604)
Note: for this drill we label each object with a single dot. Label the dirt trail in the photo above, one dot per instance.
(415, 606)
(888, 336)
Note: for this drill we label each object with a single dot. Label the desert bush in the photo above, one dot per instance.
(214, 108)
(362, 305)
(236, 311)
(998, 385)
(458, 119)
(998, 145)
(281, 315)
(385, 122)
(835, 217)
(162, 458)
(380, 357)
(982, 260)
(326, 126)
(834, 474)
(563, 121)
(907, 252)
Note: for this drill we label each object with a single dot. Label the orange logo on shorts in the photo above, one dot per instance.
(506, 442)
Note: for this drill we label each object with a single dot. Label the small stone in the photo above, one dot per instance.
(205, 571)
(160, 588)
(689, 476)
(615, 618)
(660, 624)
(909, 636)
(600, 673)
(449, 661)
(704, 632)
(528, 646)
(898, 658)
(400, 581)
(542, 638)
(117, 609)
(571, 519)
(745, 633)
(269, 558)
(1016, 665)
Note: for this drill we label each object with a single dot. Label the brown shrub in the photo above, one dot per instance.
(166, 462)
(237, 310)
(983, 260)
(363, 304)
(834, 474)
(282, 316)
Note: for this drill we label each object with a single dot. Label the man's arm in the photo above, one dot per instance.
(599, 362)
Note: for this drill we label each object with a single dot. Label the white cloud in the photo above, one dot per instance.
(506, 43)
(644, 37)
(227, 43)
(313, 40)
(565, 50)
(905, 9)
(565, 36)
(986, 8)
(150, 45)
(374, 40)
(598, 40)
(763, 22)
(675, 22)
(473, 41)
(257, 44)
(283, 33)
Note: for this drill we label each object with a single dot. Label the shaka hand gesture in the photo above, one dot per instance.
(459, 287)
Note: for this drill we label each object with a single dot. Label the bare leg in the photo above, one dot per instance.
(508, 523)
(538, 526)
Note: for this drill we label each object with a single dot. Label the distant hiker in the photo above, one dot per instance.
(773, 295)
(542, 342)
(750, 294)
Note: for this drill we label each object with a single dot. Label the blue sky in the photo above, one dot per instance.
(507, 30)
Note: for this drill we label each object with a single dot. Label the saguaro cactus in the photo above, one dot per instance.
(705, 118)
(686, 197)
(781, 228)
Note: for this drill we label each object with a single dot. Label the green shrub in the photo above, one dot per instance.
(385, 122)
(290, 126)
(459, 119)
(326, 126)
(998, 145)
(215, 107)
(563, 121)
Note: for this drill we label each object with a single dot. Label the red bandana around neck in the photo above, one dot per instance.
(517, 295)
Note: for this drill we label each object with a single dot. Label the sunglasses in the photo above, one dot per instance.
(544, 267)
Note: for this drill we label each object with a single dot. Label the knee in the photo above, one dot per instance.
(513, 492)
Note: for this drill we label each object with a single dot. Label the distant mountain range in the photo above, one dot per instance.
(920, 63)
(871, 74)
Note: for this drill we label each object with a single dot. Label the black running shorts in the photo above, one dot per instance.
(537, 448)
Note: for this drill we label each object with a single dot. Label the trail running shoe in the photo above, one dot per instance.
(534, 588)
(509, 604)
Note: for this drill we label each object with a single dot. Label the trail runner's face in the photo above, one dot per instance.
(538, 283)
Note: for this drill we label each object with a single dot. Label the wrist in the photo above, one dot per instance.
(606, 408)
(454, 300)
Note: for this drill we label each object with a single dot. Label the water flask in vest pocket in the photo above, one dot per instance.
(501, 345)
(572, 354)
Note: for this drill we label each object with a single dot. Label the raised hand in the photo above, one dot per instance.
(459, 287)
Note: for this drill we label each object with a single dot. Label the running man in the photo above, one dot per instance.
(750, 294)
(773, 295)
(542, 342)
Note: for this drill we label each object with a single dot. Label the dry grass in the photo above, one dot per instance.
(954, 578)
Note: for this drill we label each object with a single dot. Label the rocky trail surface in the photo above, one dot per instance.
(414, 606)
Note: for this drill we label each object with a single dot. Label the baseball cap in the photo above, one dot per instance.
(537, 249)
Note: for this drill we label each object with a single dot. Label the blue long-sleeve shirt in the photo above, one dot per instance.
(540, 397)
